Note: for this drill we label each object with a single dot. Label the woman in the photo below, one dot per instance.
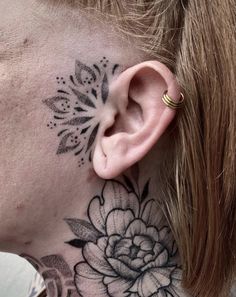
(161, 75)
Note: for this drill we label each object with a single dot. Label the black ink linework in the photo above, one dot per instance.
(94, 92)
(80, 68)
(97, 68)
(92, 137)
(72, 80)
(52, 103)
(78, 243)
(80, 109)
(114, 68)
(85, 130)
(77, 153)
(63, 92)
(57, 275)
(105, 90)
(61, 132)
(90, 156)
(64, 147)
(33, 261)
(52, 274)
(83, 98)
(58, 118)
(58, 263)
(77, 104)
(78, 121)
(127, 247)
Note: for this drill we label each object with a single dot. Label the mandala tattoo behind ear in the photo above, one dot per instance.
(76, 104)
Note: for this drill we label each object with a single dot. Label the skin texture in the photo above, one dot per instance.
(32, 55)
(67, 122)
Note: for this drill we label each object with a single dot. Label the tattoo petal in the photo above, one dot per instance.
(117, 286)
(100, 207)
(84, 130)
(81, 68)
(89, 283)
(152, 214)
(78, 121)
(105, 89)
(118, 220)
(95, 257)
(92, 137)
(53, 104)
(166, 239)
(175, 289)
(94, 92)
(122, 269)
(156, 279)
(64, 147)
(83, 98)
(137, 227)
(160, 261)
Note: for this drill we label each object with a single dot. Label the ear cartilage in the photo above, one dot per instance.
(171, 103)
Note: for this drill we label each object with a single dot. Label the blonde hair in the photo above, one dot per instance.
(196, 40)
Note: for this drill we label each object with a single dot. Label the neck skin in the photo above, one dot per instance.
(111, 241)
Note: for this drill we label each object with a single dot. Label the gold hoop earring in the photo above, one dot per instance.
(171, 103)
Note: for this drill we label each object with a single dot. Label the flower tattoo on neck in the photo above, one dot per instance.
(76, 107)
(128, 249)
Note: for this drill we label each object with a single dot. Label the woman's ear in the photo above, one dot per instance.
(135, 117)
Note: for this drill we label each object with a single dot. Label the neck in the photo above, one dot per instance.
(115, 243)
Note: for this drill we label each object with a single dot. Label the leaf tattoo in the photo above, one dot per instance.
(83, 230)
(77, 243)
(145, 191)
(129, 183)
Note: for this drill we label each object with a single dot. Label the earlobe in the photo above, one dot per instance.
(139, 118)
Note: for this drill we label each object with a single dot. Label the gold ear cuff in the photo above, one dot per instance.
(171, 103)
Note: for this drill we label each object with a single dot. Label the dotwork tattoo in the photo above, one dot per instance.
(56, 273)
(128, 249)
(77, 105)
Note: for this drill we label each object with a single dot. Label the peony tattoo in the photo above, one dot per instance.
(127, 249)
